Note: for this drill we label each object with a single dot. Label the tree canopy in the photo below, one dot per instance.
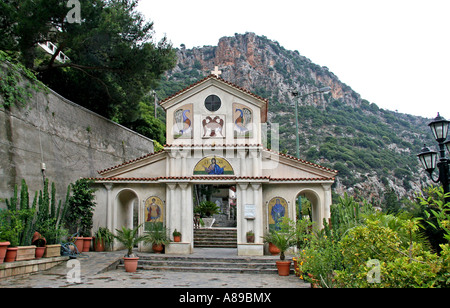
(114, 61)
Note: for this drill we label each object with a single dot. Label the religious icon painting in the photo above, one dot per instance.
(277, 210)
(153, 211)
(213, 126)
(213, 165)
(242, 121)
(183, 122)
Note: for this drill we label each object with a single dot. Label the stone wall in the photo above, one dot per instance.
(72, 141)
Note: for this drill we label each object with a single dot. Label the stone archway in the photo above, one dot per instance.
(313, 198)
(126, 209)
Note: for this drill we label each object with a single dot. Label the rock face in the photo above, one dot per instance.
(373, 149)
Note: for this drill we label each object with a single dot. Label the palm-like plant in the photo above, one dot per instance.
(129, 238)
(283, 241)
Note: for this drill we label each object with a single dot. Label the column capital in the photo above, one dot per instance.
(108, 186)
(171, 186)
(243, 185)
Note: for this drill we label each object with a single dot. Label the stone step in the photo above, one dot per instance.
(210, 265)
(215, 237)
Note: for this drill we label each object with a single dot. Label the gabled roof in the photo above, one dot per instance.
(321, 173)
(264, 101)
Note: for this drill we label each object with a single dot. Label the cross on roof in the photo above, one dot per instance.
(216, 71)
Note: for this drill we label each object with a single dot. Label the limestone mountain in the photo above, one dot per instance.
(373, 149)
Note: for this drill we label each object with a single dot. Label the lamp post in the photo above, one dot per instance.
(429, 159)
(301, 97)
(297, 137)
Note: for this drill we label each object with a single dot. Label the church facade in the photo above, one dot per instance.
(215, 136)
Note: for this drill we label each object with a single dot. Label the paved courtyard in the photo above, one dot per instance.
(95, 273)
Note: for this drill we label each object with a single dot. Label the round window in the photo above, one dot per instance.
(213, 103)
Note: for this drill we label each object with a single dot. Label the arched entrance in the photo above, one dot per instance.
(307, 206)
(126, 209)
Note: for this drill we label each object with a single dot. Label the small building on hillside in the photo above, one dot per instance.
(215, 133)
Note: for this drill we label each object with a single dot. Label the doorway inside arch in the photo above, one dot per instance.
(215, 224)
(217, 202)
(306, 204)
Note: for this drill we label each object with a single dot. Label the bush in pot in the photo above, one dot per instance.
(81, 207)
(176, 236)
(283, 239)
(103, 239)
(129, 238)
(158, 236)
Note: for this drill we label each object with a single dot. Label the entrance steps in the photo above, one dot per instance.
(215, 238)
(208, 264)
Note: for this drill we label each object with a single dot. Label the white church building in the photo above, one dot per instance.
(215, 136)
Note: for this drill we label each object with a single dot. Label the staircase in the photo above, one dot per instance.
(215, 238)
(207, 264)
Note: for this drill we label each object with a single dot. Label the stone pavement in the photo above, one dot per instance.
(98, 270)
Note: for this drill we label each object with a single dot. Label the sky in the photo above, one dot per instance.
(394, 53)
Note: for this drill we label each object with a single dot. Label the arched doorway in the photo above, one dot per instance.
(307, 206)
(126, 209)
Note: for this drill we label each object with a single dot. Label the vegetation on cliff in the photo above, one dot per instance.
(373, 149)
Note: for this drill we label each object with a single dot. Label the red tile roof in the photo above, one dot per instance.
(217, 178)
(212, 76)
(222, 145)
(264, 110)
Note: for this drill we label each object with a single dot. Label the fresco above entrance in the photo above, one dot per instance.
(213, 165)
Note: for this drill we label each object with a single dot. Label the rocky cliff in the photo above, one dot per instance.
(374, 149)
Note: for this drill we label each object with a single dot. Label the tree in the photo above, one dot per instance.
(113, 61)
(81, 207)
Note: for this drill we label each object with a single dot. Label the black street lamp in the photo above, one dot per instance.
(429, 159)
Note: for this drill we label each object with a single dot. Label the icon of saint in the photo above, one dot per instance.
(277, 213)
(214, 168)
(154, 211)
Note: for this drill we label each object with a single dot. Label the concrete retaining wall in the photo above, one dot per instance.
(72, 141)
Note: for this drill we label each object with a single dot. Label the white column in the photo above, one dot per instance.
(170, 196)
(241, 221)
(326, 211)
(258, 222)
(109, 206)
(242, 162)
(183, 209)
(254, 155)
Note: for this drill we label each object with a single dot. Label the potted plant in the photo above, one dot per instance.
(102, 239)
(158, 236)
(40, 242)
(250, 237)
(176, 236)
(273, 250)
(206, 209)
(81, 207)
(129, 238)
(283, 241)
(3, 236)
(3, 248)
(12, 227)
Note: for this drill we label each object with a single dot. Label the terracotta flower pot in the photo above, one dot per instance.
(99, 245)
(157, 248)
(284, 267)
(177, 238)
(87, 243)
(130, 264)
(39, 252)
(79, 242)
(3, 249)
(11, 254)
(273, 249)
